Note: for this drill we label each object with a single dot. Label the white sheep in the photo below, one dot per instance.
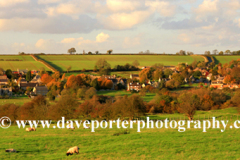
(73, 150)
(30, 129)
(10, 150)
(70, 127)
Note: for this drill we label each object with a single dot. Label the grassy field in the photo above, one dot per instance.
(147, 98)
(148, 144)
(225, 59)
(15, 100)
(27, 62)
(78, 62)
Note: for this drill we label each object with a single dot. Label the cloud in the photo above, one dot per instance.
(184, 38)
(102, 37)
(124, 20)
(48, 1)
(207, 8)
(7, 3)
(63, 24)
(130, 42)
(45, 43)
(165, 8)
(124, 5)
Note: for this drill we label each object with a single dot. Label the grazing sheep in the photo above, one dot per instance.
(69, 127)
(73, 150)
(30, 129)
(86, 127)
(10, 150)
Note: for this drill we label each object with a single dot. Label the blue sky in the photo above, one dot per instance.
(125, 26)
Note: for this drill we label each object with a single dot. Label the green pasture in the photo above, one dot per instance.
(225, 59)
(27, 62)
(78, 62)
(113, 93)
(102, 144)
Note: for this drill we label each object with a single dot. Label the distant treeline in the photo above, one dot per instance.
(10, 60)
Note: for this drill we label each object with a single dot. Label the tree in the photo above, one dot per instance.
(220, 53)
(109, 84)
(109, 51)
(97, 52)
(168, 72)
(215, 52)
(28, 76)
(227, 52)
(188, 104)
(1, 71)
(69, 68)
(135, 63)
(9, 73)
(65, 107)
(182, 52)
(95, 84)
(72, 50)
(207, 53)
(90, 93)
(46, 78)
(103, 66)
(197, 74)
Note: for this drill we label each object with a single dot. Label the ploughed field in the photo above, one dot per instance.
(78, 62)
(26, 62)
(225, 59)
(148, 144)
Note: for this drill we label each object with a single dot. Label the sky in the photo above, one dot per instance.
(125, 26)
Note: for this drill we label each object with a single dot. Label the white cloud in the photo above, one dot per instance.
(123, 5)
(102, 37)
(184, 38)
(7, 3)
(165, 8)
(48, 1)
(45, 44)
(124, 20)
(207, 8)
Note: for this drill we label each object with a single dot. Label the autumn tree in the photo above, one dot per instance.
(72, 50)
(109, 84)
(135, 63)
(65, 107)
(103, 66)
(46, 78)
(90, 93)
(69, 68)
(188, 104)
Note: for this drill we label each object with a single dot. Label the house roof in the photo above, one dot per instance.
(41, 88)
(134, 84)
(3, 77)
(28, 84)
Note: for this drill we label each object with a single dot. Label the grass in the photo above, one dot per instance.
(15, 100)
(78, 62)
(148, 144)
(225, 59)
(27, 63)
(147, 98)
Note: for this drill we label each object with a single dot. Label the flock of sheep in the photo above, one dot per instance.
(71, 151)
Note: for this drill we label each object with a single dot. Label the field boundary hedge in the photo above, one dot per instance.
(45, 63)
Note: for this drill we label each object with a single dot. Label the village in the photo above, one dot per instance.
(14, 83)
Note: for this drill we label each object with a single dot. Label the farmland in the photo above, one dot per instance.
(149, 144)
(78, 62)
(26, 62)
(225, 59)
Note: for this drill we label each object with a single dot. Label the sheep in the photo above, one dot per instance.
(69, 127)
(30, 129)
(73, 150)
(10, 150)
